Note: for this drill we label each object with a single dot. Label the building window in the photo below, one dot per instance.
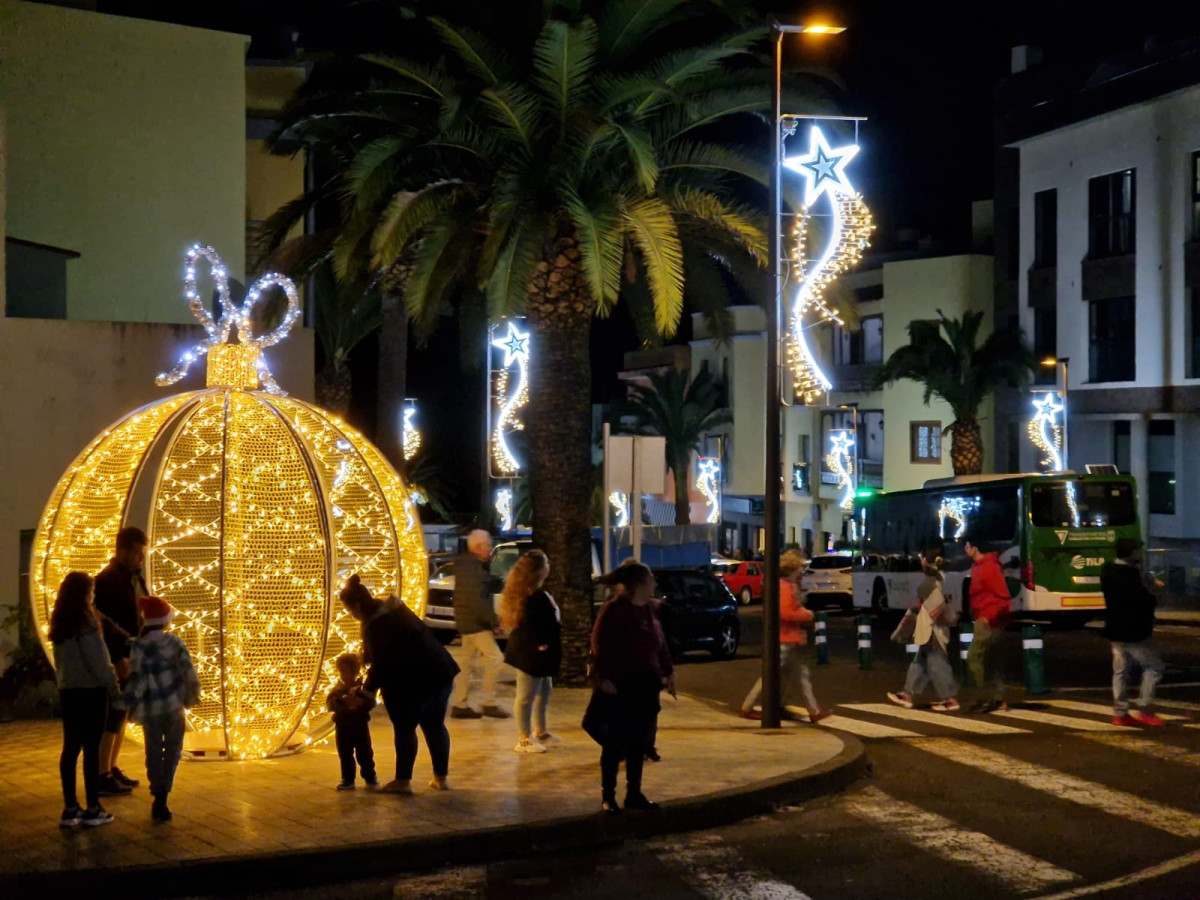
(1160, 454)
(1195, 329)
(925, 442)
(1045, 343)
(1196, 196)
(1121, 430)
(1111, 207)
(1045, 229)
(861, 346)
(1112, 340)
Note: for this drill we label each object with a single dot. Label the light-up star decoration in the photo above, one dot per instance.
(620, 504)
(237, 320)
(1045, 431)
(849, 232)
(707, 478)
(512, 398)
(840, 461)
(957, 509)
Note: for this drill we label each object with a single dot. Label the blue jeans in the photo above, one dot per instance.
(931, 667)
(164, 745)
(1143, 654)
(533, 696)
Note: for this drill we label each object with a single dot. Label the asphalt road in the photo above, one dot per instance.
(1049, 800)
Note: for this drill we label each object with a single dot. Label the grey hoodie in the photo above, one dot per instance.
(83, 662)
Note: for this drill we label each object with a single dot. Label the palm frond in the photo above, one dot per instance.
(474, 51)
(683, 157)
(408, 214)
(563, 57)
(625, 25)
(515, 110)
(740, 224)
(654, 233)
(437, 263)
(641, 154)
(601, 245)
(508, 287)
(432, 79)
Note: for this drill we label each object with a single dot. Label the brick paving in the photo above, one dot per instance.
(236, 809)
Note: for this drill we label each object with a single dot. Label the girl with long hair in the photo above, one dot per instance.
(87, 683)
(534, 649)
(631, 665)
(929, 624)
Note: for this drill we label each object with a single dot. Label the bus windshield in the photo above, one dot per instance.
(1100, 504)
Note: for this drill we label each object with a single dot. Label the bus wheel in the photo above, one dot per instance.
(879, 599)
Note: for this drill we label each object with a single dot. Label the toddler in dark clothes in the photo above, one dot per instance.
(351, 707)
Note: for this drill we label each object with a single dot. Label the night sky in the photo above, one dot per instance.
(922, 71)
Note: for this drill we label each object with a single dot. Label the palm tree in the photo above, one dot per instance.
(681, 412)
(957, 370)
(553, 172)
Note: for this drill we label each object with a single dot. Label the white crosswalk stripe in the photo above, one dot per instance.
(1067, 787)
(1099, 709)
(716, 870)
(1168, 752)
(938, 835)
(945, 720)
(865, 729)
(1073, 723)
(1176, 704)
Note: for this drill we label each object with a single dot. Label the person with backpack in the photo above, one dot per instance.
(928, 623)
(1129, 622)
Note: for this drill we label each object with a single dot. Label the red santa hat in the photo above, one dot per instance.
(155, 611)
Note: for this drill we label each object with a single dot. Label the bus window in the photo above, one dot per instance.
(1101, 504)
(990, 514)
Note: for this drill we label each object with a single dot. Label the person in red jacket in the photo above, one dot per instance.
(991, 606)
(794, 616)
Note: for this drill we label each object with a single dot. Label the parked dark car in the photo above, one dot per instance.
(698, 612)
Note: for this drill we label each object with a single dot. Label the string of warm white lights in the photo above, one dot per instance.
(260, 507)
(410, 435)
(840, 461)
(619, 501)
(850, 228)
(1046, 432)
(516, 352)
(707, 478)
(957, 509)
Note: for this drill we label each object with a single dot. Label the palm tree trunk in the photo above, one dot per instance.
(683, 504)
(393, 377)
(333, 388)
(966, 448)
(559, 430)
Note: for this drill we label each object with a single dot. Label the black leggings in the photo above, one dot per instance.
(431, 717)
(83, 715)
(638, 714)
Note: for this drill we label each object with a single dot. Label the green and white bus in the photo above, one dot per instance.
(1052, 534)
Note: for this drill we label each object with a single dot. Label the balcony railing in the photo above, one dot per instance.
(857, 379)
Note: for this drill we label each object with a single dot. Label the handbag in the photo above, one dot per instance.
(601, 718)
(904, 631)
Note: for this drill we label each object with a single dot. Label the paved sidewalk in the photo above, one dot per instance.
(280, 822)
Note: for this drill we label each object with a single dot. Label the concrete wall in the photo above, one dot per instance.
(126, 143)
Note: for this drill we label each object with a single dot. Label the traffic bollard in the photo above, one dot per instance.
(1035, 660)
(966, 633)
(865, 656)
(821, 637)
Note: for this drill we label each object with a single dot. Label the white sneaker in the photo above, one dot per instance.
(548, 739)
(528, 745)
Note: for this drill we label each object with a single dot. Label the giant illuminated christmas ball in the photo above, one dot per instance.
(257, 507)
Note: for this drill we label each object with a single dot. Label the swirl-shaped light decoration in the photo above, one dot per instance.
(619, 501)
(1046, 433)
(840, 461)
(849, 235)
(708, 476)
(410, 434)
(236, 319)
(957, 509)
(258, 507)
(512, 399)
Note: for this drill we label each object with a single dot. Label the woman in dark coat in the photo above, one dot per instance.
(534, 649)
(630, 666)
(415, 674)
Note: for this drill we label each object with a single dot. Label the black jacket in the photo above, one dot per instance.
(116, 599)
(1129, 604)
(344, 715)
(408, 663)
(539, 627)
(473, 607)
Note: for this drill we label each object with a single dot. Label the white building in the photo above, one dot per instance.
(897, 437)
(1108, 275)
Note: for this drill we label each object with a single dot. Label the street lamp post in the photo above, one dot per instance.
(772, 693)
(1053, 362)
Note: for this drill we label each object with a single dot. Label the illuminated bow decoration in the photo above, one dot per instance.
(238, 319)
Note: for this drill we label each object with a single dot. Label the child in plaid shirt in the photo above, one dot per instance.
(351, 708)
(162, 684)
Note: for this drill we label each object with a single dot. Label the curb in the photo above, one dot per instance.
(308, 868)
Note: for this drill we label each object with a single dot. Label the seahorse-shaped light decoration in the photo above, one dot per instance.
(235, 319)
(956, 509)
(516, 353)
(504, 498)
(1046, 433)
(850, 228)
(707, 478)
(840, 460)
(620, 504)
(410, 434)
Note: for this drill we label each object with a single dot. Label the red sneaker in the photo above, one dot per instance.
(750, 714)
(816, 715)
(1146, 719)
(1125, 721)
